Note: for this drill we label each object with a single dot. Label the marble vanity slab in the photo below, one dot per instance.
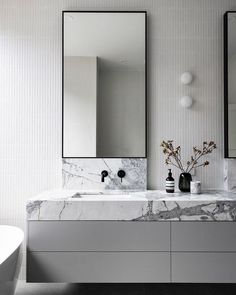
(132, 206)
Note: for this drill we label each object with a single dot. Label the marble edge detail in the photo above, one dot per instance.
(151, 211)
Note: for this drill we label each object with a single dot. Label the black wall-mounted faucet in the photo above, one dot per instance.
(104, 174)
(121, 174)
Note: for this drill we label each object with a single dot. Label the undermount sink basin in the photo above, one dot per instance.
(106, 195)
(108, 192)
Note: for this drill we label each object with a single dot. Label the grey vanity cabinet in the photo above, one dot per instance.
(203, 267)
(99, 236)
(98, 251)
(115, 251)
(203, 236)
(203, 252)
(99, 267)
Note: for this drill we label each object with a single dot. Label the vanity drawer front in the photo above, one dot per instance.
(203, 267)
(95, 267)
(203, 236)
(98, 236)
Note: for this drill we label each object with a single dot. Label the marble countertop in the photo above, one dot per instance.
(150, 205)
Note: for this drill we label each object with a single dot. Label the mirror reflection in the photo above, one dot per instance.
(104, 84)
(231, 85)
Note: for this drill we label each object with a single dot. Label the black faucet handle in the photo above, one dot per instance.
(104, 174)
(121, 174)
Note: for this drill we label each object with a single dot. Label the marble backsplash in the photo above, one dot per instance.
(85, 174)
(230, 175)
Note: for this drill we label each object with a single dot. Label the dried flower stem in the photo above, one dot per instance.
(174, 155)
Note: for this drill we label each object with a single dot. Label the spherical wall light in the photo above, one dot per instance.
(186, 78)
(186, 101)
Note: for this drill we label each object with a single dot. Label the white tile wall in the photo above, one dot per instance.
(183, 35)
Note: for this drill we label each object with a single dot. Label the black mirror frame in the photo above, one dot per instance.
(146, 80)
(226, 108)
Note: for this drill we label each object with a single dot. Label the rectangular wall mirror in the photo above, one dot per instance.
(230, 84)
(104, 84)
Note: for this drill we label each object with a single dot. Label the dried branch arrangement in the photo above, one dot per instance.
(173, 155)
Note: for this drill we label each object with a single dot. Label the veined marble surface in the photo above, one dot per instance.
(230, 175)
(132, 206)
(84, 174)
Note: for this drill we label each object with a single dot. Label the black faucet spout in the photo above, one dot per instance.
(104, 174)
(121, 174)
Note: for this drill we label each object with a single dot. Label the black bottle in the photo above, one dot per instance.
(170, 183)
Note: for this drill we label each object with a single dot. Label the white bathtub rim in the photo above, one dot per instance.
(11, 238)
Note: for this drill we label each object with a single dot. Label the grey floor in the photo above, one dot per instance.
(124, 289)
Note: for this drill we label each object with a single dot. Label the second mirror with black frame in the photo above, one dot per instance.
(104, 84)
(229, 84)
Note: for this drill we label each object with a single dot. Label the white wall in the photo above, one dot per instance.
(121, 113)
(183, 35)
(80, 106)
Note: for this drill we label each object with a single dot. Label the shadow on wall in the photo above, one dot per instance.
(124, 289)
